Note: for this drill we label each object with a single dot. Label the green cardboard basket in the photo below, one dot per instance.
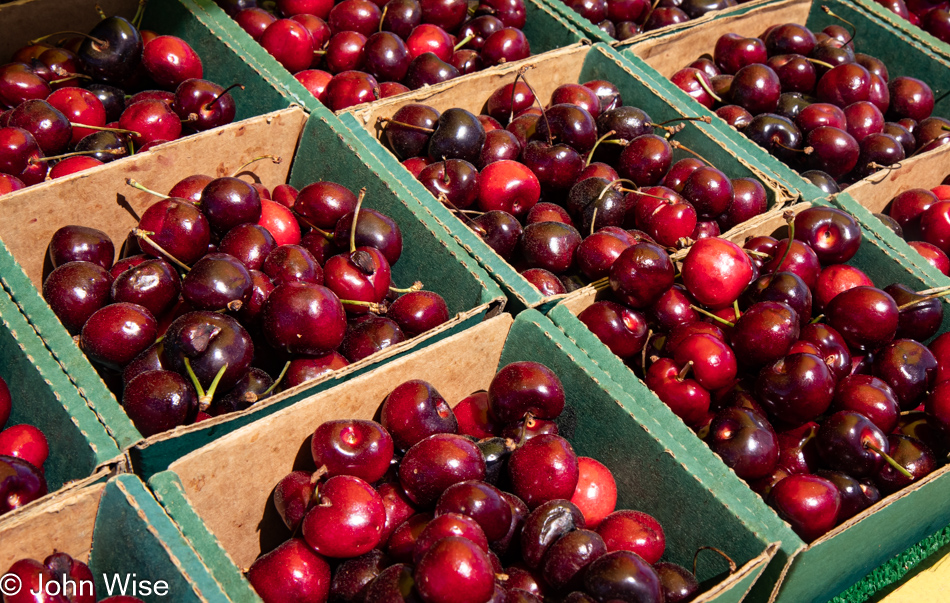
(575, 64)
(645, 462)
(905, 27)
(545, 28)
(839, 559)
(123, 534)
(430, 255)
(79, 446)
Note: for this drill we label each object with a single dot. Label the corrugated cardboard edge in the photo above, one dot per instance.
(756, 565)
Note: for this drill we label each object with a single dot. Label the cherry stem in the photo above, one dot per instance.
(822, 63)
(601, 283)
(204, 397)
(540, 106)
(72, 33)
(790, 220)
(382, 17)
(274, 159)
(611, 185)
(464, 41)
(416, 286)
(76, 154)
(652, 8)
(903, 307)
(381, 120)
(934, 290)
(356, 215)
(678, 145)
(223, 92)
(99, 10)
(596, 144)
(318, 475)
(70, 76)
(593, 220)
(460, 213)
(280, 377)
(757, 254)
(139, 14)
(528, 418)
(705, 119)
(807, 150)
(147, 237)
(732, 564)
(643, 352)
(735, 307)
(104, 129)
(711, 315)
(854, 30)
(817, 319)
(135, 184)
(514, 89)
(326, 235)
(705, 86)
(684, 371)
(373, 306)
(890, 460)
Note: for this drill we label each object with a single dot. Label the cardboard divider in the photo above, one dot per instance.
(903, 55)
(79, 445)
(801, 571)
(233, 529)
(123, 534)
(905, 27)
(100, 198)
(575, 64)
(545, 28)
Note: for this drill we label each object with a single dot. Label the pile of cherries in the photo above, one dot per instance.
(623, 19)
(811, 383)
(922, 217)
(814, 103)
(23, 451)
(933, 17)
(141, 90)
(506, 160)
(483, 503)
(49, 577)
(358, 51)
(219, 298)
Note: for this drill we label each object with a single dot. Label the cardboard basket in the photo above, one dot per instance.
(575, 64)
(123, 534)
(667, 53)
(230, 530)
(800, 572)
(905, 27)
(100, 198)
(80, 449)
(545, 28)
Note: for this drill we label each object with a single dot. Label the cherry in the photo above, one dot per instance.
(544, 526)
(641, 275)
(345, 52)
(479, 501)
(432, 465)
(347, 518)
(550, 245)
(150, 121)
(293, 569)
(152, 284)
(621, 329)
(303, 369)
(217, 281)
(457, 179)
(622, 576)
(544, 468)
(507, 186)
(933, 254)
(499, 229)
(525, 387)
(413, 411)
(290, 43)
(596, 491)
(115, 60)
(745, 441)
(454, 570)
(869, 396)
(254, 21)
(22, 484)
(117, 333)
(206, 344)
(203, 104)
(866, 317)
(169, 61)
(363, 449)
(809, 503)
(369, 336)
(909, 368)
(733, 52)
(159, 400)
(24, 442)
(911, 454)
(373, 229)
(910, 98)
(715, 271)
(19, 83)
(919, 321)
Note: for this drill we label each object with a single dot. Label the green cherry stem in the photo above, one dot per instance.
(280, 377)
(711, 315)
(204, 397)
(356, 215)
(136, 184)
(889, 459)
(146, 236)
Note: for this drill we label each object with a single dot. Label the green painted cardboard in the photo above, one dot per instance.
(902, 53)
(44, 397)
(599, 62)
(905, 27)
(545, 28)
(134, 535)
(846, 555)
(595, 422)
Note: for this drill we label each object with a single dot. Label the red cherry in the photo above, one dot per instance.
(636, 531)
(347, 519)
(596, 491)
(25, 442)
(169, 61)
(280, 222)
(716, 271)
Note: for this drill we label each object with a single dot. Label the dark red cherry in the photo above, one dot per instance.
(866, 317)
(75, 291)
(413, 411)
(81, 244)
(159, 400)
(543, 469)
(437, 462)
(809, 503)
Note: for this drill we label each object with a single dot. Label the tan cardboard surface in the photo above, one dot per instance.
(99, 197)
(923, 171)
